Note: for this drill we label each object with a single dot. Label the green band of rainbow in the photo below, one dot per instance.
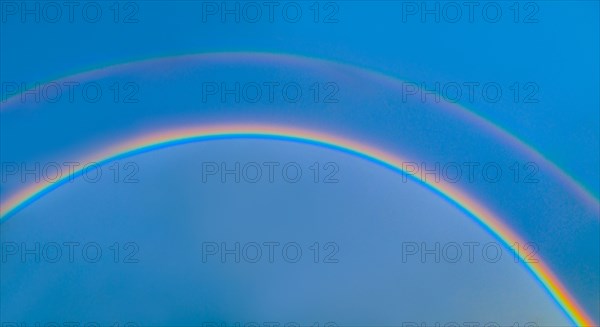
(490, 221)
(293, 59)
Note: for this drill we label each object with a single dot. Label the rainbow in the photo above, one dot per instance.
(484, 217)
(575, 186)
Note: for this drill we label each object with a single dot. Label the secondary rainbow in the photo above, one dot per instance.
(487, 219)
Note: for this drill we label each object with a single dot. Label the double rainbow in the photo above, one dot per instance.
(472, 118)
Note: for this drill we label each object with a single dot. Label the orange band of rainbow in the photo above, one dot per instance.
(482, 215)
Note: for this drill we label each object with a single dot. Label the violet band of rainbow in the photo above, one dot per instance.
(571, 183)
(484, 217)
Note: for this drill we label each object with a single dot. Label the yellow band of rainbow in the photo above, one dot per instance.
(284, 59)
(487, 219)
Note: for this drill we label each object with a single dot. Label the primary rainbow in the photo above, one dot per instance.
(487, 219)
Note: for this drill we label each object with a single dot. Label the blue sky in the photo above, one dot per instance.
(369, 214)
(558, 53)
(550, 55)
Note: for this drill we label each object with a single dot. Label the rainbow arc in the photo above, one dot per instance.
(490, 221)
